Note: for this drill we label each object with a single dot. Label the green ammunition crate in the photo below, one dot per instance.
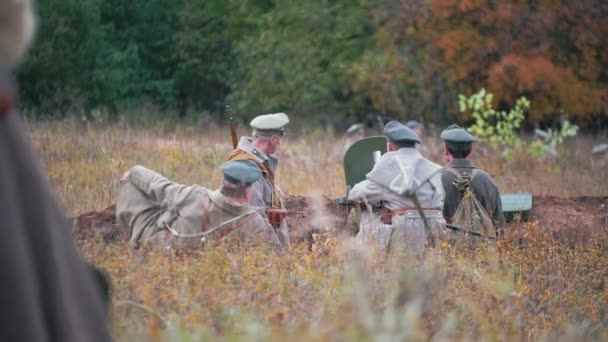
(517, 204)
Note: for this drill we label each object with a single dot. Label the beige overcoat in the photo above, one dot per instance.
(172, 215)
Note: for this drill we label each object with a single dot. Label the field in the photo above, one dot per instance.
(545, 280)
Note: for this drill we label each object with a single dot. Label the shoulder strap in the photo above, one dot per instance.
(452, 170)
(474, 173)
(268, 174)
(206, 206)
(428, 179)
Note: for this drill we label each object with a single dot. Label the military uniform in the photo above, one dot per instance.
(354, 133)
(482, 184)
(47, 291)
(265, 194)
(173, 215)
(393, 181)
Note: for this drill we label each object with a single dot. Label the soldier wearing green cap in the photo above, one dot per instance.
(458, 145)
(171, 215)
(268, 132)
(399, 176)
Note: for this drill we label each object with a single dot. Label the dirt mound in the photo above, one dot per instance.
(571, 219)
(563, 217)
(98, 225)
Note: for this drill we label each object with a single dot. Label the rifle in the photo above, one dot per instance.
(232, 126)
(458, 228)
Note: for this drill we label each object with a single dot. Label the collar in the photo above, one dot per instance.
(461, 164)
(226, 204)
(409, 152)
(246, 144)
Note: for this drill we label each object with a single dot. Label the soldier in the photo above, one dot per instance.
(458, 145)
(400, 178)
(599, 156)
(47, 292)
(420, 131)
(268, 132)
(353, 134)
(173, 215)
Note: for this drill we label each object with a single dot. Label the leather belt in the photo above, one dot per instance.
(386, 215)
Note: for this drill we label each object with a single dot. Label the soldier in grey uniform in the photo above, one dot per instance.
(398, 178)
(458, 145)
(47, 291)
(171, 215)
(268, 132)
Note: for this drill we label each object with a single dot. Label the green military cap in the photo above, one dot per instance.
(398, 132)
(456, 137)
(358, 127)
(269, 124)
(241, 171)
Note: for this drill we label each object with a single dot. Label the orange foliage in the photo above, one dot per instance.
(553, 52)
(552, 88)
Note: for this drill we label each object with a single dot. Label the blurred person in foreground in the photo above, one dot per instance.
(171, 216)
(260, 148)
(48, 293)
(458, 146)
(399, 179)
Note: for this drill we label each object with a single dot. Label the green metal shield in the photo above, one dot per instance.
(359, 159)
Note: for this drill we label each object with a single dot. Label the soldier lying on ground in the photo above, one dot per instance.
(399, 176)
(171, 215)
(268, 132)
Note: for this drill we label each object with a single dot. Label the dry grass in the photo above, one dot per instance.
(545, 290)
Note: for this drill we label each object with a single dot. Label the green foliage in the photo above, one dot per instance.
(297, 58)
(328, 60)
(499, 128)
(547, 140)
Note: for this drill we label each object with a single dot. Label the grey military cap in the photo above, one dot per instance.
(241, 171)
(457, 137)
(398, 132)
(599, 150)
(358, 127)
(269, 124)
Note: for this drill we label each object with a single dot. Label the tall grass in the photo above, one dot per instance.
(542, 289)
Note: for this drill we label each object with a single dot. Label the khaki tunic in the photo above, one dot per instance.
(390, 184)
(483, 187)
(264, 192)
(172, 215)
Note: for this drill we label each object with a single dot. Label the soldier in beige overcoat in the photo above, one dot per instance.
(171, 215)
(399, 178)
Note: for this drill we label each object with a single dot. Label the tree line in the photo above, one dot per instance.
(320, 59)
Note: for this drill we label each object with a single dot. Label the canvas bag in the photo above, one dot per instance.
(470, 214)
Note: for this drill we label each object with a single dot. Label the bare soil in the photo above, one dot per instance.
(576, 218)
